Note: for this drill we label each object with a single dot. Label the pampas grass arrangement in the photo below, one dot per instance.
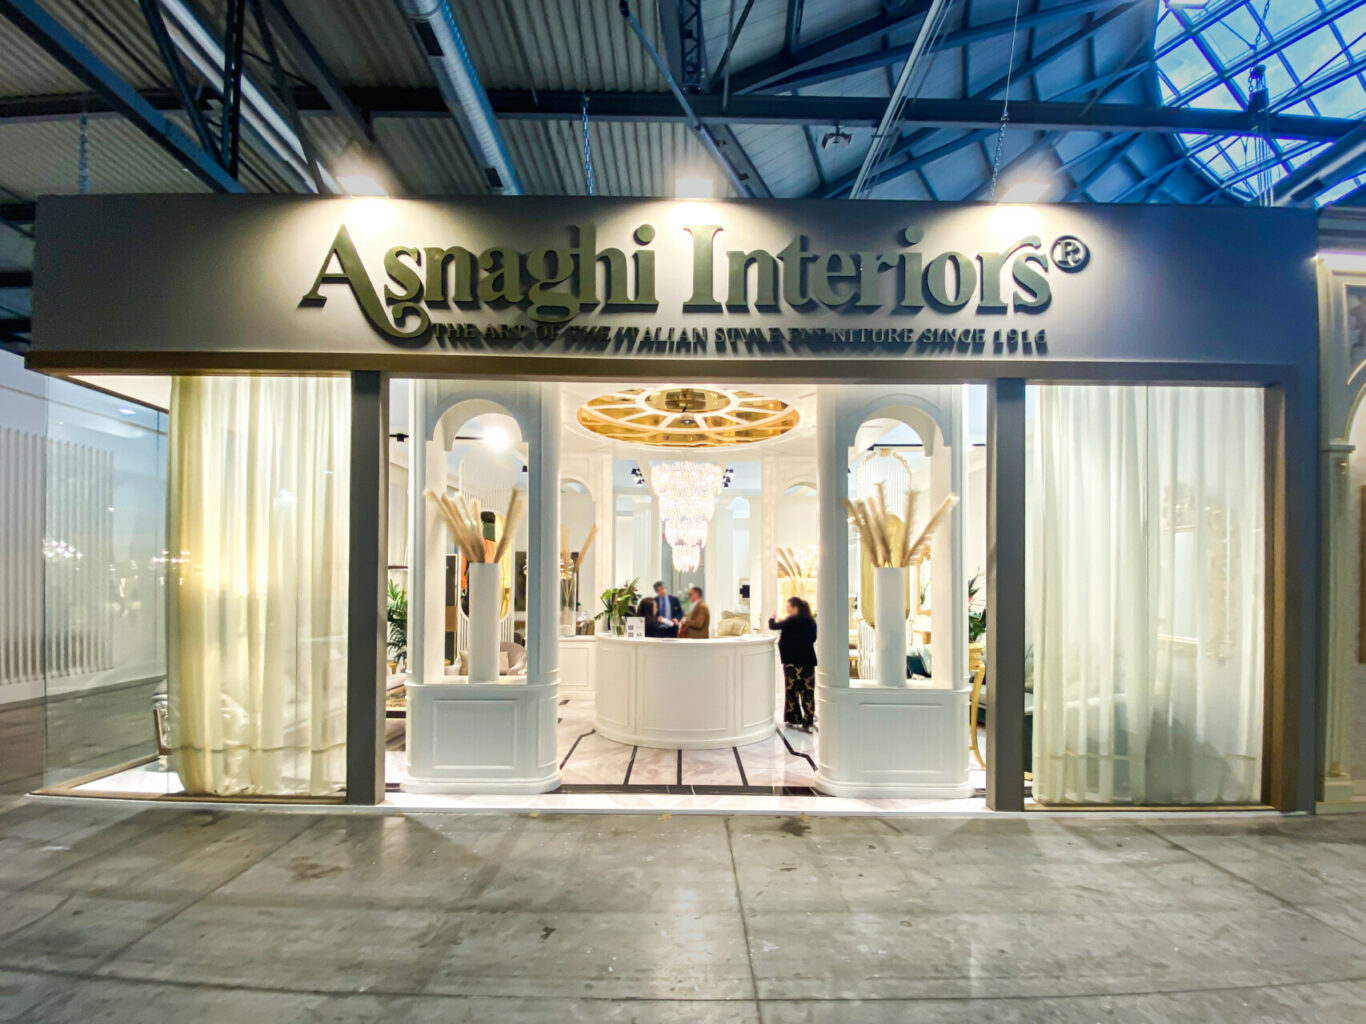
(569, 564)
(791, 566)
(467, 528)
(889, 544)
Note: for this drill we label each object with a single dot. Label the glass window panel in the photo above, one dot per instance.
(1218, 98)
(1346, 99)
(1242, 22)
(1299, 70)
(1337, 191)
(1167, 26)
(1283, 14)
(104, 565)
(1185, 66)
(1316, 53)
(1227, 44)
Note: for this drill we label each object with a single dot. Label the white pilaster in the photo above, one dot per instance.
(832, 575)
(543, 541)
(1339, 542)
(769, 491)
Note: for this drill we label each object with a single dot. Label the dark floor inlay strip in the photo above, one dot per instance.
(796, 753)
(669, 790)
(629, 765)
(680, 767)
(575, 746)
(741, 765)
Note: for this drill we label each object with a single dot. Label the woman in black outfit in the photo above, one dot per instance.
(797, 650)
(653, 627)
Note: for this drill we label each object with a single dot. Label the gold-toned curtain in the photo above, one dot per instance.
(258, 525)
(1147, 594)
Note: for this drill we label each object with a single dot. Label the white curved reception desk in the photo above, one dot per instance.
(685, 694)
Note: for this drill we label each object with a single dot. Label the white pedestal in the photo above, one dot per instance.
(908, 741)
(481, 738)
(576, 666)
(685, 694)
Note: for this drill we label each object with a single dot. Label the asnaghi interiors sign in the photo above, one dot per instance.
(414, 294)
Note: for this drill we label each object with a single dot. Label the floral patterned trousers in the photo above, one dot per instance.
(800, 685)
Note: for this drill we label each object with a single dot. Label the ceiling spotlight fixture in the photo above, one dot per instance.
(836, 138)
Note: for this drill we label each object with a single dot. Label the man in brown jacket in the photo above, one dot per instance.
(696, 625)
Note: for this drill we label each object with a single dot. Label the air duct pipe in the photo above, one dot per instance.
(437, 32)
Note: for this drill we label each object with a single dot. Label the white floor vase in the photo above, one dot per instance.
(485, 587)
(889, 631)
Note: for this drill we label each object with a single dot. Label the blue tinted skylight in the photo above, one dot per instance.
(1314, 56)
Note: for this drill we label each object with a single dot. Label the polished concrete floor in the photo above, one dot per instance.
(118, 912)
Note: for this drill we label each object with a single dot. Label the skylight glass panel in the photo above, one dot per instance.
(1314, 57)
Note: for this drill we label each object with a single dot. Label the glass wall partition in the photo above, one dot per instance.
(99, 477)
(1146, 594)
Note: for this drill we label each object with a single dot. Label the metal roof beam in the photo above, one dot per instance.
(62, 46)
(1034, 64)
(16, 279)
(18, 213)
(848, 111)
(311, 63)
(836, 69)
(827, 48)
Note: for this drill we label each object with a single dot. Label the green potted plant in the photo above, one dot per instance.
(617, 604)
(397, 620)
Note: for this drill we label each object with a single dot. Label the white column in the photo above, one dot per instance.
(605, 517)
(1340, 606)
(417, 532)
(543, 541)
(832, 578)
(432, 555)
(948, 564)
(426, 543)
(767, 542)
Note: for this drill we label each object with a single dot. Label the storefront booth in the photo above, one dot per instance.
(1046, 478)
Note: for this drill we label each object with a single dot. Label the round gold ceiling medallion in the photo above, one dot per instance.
(687, 417)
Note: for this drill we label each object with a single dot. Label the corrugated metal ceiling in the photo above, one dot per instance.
(575, 45)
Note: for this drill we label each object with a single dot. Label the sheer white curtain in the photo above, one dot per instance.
(1146, 593)
(258, 525)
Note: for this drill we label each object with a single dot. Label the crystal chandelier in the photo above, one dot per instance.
(687, 498)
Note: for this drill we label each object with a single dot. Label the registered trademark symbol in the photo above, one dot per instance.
(1070, 254)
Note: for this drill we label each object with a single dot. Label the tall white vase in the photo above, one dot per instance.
(889, 635)
(485, 596)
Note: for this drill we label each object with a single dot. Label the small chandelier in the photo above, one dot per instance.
(687, 498)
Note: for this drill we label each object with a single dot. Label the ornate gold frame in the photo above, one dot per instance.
(687, 417)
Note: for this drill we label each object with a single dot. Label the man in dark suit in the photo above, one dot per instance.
(669, 607)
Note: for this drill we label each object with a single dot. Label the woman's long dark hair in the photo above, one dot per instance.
(646, 609)
(803, 609)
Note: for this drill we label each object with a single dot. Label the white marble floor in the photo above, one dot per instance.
(782, 761)
(774, 775)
